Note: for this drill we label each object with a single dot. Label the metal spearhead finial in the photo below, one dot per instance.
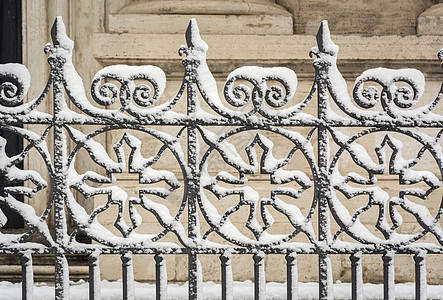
(324, 42)
(193, 38)
(59, 36)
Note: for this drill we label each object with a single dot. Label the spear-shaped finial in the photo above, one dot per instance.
(193, 38)
(59, 36)
(324, 42)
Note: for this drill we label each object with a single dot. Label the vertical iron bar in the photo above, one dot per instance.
(325, 284)
(27, 276)
(191, 66)
(420, 276)
(128, 276)
(94, 275)
(259, 276)
(59, 184)
(323, 190)
(161, 277)
(61, 277)
(226, 269)
(357, 276)
(61, 267)
(292, 276)
(192, 199)
(389, 276)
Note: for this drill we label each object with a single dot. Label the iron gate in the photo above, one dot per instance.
(255, 100)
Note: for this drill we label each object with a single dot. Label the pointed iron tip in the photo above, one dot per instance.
(57, 26)
(323, 30)
(324, 42)
(59, 36)
(192, 32)
(193, 37)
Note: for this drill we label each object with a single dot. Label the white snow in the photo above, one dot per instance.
(241, 290)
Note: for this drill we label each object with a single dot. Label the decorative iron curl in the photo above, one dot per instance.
(403, 97)
(367, 97)
(274, 95)
(241, 94)
(106, 94)
(142, 94)
(14, 84)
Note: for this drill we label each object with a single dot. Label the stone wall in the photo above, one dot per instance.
(359, 17)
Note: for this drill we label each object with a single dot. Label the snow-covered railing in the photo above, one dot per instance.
(320, 130)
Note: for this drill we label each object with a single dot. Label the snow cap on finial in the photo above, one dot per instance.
(193, 38)
(58, 34)
(324, 42)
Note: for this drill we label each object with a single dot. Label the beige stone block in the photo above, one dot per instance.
(144, 267)
(275, 268)
(41, 273)
(433, 267)
(430, 25)
(307, 267)
(217, 24)
(404, 269)
(132, 47)
(359, 16)
(430, 22)
(211, 267)
(235, 7)
(242, 267)
(35, 33)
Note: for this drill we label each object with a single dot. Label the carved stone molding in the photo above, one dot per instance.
(214, 7)
(215, 16)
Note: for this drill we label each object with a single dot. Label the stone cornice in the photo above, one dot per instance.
(229, 51)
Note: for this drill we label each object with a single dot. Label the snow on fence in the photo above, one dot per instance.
(255, 100)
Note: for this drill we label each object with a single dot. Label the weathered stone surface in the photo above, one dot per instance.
(133, 47)
(43, 267)
(218, 24)
(431, 21)
(363, 17)
(220, 7)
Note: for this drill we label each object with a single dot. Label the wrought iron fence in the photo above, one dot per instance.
(257, 101)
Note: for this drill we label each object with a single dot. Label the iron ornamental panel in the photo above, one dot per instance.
(206, 147)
